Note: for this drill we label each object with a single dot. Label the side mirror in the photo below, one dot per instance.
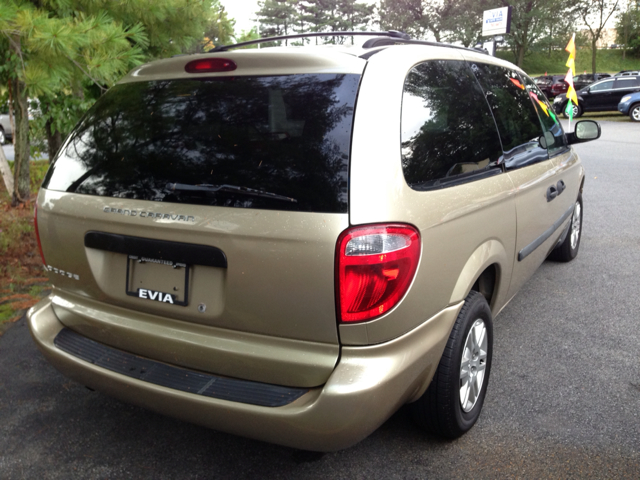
(586, 130)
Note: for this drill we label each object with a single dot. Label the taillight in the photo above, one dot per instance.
(208, 65)
(375, 266)
(35, 224)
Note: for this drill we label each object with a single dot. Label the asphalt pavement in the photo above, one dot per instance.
(563, 399)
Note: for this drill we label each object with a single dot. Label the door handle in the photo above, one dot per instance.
(560, 186)
(552, 192)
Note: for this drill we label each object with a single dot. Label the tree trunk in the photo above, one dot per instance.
(521, 50)
(594, 51)
(22, 181)
(54, 140)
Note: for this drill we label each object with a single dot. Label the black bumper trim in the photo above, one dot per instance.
(177, 378)
(188, 253)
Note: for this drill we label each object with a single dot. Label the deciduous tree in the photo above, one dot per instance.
(595, 14)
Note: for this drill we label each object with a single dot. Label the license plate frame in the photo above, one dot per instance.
(159, 295)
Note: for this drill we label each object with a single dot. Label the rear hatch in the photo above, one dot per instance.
(193, 219)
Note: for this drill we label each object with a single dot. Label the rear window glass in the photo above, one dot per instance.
(279, 142)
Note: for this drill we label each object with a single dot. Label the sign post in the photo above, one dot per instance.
(494, 23)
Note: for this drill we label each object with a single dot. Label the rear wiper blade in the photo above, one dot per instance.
(205, 187)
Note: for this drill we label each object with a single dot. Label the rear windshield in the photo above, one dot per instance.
(279, 142)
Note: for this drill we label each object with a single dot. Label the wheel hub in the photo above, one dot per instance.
(575, 226)
(473, 365)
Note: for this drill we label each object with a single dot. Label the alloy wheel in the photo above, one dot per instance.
(473, 365)
(575, 226)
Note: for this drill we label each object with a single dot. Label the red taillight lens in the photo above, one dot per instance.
(207, 65)
(35, 224)
(375, 266)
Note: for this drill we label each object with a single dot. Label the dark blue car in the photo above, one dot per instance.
(630, 105)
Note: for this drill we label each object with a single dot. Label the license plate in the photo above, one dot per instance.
(158, 280)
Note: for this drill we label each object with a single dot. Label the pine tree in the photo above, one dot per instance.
(277, 17)
(70, 47)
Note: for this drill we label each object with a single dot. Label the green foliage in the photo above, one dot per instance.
(445, 20)
(628, 28)
(67, 52)
(12, 232)
(286, 17)
(539, 63)
(248, 36)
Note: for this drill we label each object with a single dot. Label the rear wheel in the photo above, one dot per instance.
(452, 403)
(634, 112)
(577, 111)
(3, 138)
(568, 249)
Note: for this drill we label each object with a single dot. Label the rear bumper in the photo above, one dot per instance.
(367, 386)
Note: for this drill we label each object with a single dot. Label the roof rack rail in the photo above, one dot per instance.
(391, 33)
(384, 41)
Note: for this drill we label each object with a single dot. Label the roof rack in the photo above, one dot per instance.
(391, 33)
(391, 37)
(382, 41)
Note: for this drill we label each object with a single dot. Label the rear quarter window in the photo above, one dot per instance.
(272, 142)
(448, 134)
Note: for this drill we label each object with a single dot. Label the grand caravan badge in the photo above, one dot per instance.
(146, 214)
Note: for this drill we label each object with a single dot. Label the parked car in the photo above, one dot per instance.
(6, 131)
(552, 85)
(233, 240)
(630, 105)
(623, 73)
(6, 128)
(585, 79)
(601, 96)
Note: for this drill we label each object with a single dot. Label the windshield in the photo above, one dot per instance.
(287, 135)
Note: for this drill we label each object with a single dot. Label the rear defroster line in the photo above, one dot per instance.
(177, 378)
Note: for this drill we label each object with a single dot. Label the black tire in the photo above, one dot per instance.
(634, 112)
(577, 111)
(568, 249)
(3, 137)
(440, 409)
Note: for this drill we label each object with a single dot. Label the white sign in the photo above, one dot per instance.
(496, 22)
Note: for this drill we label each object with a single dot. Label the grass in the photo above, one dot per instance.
(607, 61)
(22, 281)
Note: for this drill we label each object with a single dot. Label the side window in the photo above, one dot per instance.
(517, 119)
(629, 82)
(448, 134)
(554, 137)
(608, 85)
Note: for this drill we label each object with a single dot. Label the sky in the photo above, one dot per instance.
(242, 11)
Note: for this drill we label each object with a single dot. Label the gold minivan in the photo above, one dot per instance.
(289, 244)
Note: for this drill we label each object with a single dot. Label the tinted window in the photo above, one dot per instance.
(448, 134)
(608, 85)
(255, 142)
(554, 137)
(626, 82)
(515, 114)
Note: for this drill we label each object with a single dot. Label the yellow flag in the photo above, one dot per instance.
(571, 63)
(571, 47)
(571, 95)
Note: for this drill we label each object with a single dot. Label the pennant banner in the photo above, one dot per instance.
(572, 97)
